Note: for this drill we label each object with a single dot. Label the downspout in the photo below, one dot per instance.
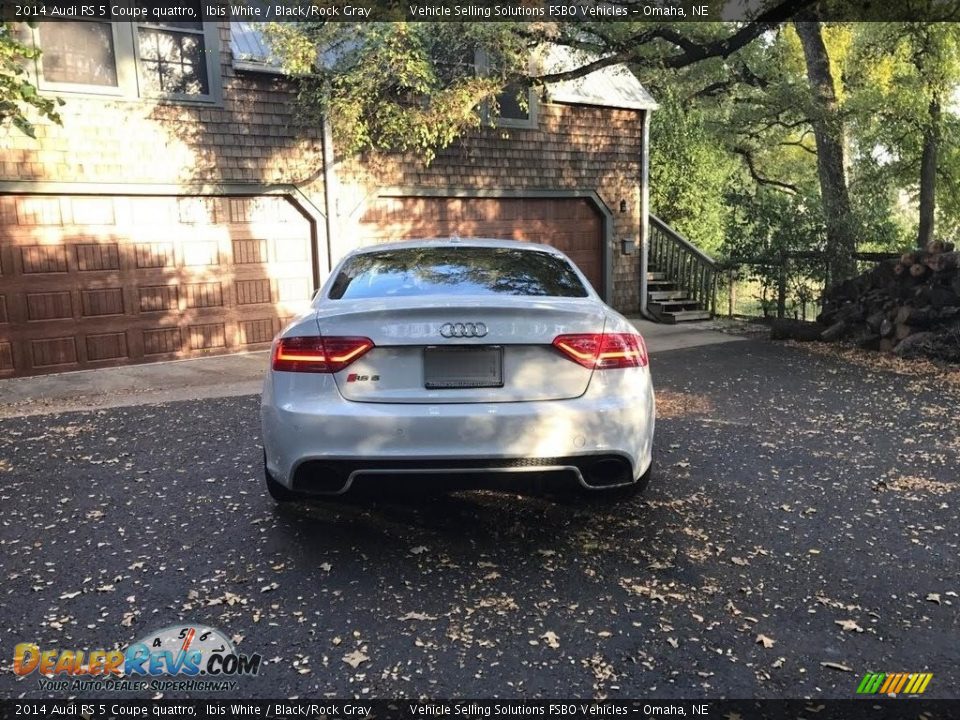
(644, 214)
(329, 188)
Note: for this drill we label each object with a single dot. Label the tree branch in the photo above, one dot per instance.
(800, 144)
(690, 51)
(760, 179)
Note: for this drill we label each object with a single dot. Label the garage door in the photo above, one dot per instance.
(572, 225)
(90, 282)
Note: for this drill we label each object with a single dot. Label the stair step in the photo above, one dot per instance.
(666, 295)
(677, 316)
(682, 304)
(656, 276)
(660, 284)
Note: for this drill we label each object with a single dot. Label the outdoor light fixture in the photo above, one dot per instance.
(628, 246)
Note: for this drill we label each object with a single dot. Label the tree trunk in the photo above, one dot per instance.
(928, 174)
(828, 132)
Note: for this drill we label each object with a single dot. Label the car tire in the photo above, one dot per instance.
(280, 493)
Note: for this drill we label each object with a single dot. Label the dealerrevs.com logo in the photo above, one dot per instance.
(178, 657)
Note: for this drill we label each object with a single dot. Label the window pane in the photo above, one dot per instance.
(149, 45)
(183, 24)
(78, 52)
(510, 107)
(173, 63)
(456, 271)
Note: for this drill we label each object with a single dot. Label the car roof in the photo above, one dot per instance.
(455, 241)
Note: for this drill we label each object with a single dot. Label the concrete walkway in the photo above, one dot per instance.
(225, 376)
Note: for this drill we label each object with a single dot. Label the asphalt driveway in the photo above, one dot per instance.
(801, 530)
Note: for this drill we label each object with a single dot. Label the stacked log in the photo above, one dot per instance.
(910, 306)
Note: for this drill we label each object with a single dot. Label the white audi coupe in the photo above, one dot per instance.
(459, 363)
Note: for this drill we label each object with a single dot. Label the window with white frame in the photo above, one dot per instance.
(78, 53)
(159, 60)
(516, 105)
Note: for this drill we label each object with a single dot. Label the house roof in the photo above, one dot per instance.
(613, 86)
(250, 50)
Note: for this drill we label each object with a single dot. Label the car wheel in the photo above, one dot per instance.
(280, 493)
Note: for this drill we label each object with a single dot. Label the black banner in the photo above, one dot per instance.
(854, 709)
(159, 11)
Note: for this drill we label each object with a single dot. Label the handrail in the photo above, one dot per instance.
(678, 238)
(686, 265)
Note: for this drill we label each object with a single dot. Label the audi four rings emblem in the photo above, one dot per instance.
(463, 330)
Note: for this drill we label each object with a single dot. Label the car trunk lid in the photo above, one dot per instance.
(470, 350)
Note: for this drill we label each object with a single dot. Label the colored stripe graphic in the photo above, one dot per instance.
(891, 680)
(871, 683)
(894, 683)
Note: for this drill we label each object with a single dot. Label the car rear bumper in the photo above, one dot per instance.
(319, 442)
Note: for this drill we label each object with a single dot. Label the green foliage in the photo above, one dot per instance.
(689, 174)
(897, 70)
(17, 94)
(751, 116)
(399, 86)
(765, 223)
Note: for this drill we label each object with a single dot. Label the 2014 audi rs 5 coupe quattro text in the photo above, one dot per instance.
(459, 363)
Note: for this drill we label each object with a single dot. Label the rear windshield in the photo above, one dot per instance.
(456, 271)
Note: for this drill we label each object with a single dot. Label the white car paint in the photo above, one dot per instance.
(551, 414)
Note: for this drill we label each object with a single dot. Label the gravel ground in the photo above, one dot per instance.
(801, 530)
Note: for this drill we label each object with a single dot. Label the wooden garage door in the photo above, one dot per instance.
(96, 281)
(572, 225)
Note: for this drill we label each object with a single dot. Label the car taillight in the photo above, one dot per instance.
(603, 351)
(318, 354)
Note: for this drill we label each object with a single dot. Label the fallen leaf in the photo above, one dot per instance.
(673, 642)
(419, 549)
(849, 625)
(933, 597)
(837, 666)
(417, 616)
(355, 658)
(739, 561)
(767, 642)
(551, 638)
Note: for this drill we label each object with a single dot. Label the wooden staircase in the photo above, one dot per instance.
(668, 303)
(681, 279)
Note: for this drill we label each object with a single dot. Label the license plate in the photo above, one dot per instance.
(462, 367)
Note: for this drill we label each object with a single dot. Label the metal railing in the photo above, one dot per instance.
(684, 264)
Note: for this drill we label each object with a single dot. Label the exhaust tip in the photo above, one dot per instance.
(318, 477)
(608, 472)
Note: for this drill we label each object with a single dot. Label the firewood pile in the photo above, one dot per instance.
(910, 306)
